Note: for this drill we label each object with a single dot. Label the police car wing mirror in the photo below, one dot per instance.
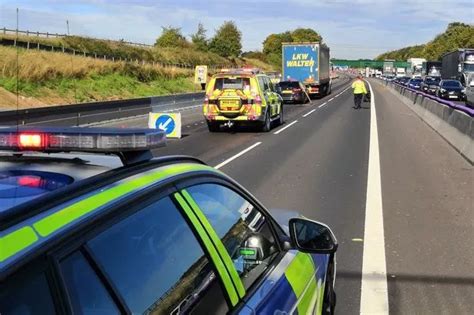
(312, 237)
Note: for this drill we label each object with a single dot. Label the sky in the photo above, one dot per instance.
(353, 29)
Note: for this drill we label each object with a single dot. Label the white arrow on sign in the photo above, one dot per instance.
(164, 125)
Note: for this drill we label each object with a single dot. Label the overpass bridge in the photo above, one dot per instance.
(375, 64)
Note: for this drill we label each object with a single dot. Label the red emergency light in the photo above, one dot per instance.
(31, 141)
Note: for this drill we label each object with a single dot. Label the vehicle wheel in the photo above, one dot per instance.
(329, 303)
(281, 120)
(213, 126)
(267, 124)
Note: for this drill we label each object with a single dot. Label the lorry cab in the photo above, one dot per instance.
(242, 97)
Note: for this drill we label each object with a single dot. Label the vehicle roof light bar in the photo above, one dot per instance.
(241, 70)
(131, 145)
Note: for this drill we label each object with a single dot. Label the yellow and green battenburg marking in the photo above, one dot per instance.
(25, 236)
(221, 269)
(297, 275)
(217, 243)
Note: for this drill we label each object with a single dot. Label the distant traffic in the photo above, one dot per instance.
(452, 78)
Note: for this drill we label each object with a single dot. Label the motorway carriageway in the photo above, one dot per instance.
(398, 197)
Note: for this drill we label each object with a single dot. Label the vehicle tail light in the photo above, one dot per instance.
(296, 90)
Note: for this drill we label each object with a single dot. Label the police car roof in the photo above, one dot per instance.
(14, 215)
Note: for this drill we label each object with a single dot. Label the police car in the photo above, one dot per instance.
(80, 234)
(242, 97)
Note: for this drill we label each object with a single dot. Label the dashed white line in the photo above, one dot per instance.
(237, 155)
(287, 126)
(330, 99)
(309, 113)
(374, 293)
(323, 104)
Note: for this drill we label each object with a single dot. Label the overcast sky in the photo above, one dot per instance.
(351, 28)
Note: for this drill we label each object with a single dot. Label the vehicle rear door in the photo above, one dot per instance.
(276, 103)
(268, 279)
(153, 257)
(266, 101)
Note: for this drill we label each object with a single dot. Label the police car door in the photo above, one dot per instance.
(268, 280)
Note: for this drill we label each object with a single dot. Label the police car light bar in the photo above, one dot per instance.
(123, 142)
(241, 70)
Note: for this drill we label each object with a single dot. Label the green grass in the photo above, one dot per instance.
(99, 87)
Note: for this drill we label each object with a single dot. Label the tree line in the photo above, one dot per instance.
(227, 42)
(457, 35)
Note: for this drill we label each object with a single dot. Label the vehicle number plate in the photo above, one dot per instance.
(453, 96)
(230, 104)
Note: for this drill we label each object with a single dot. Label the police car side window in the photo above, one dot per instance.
(86, 292)
(157, 265)
(269, 84)
(26, 294)
(262, 84)
(244, 231)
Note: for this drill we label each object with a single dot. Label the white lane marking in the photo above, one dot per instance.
(323, 104)
(330, 99)
(218, 166)
(287, 126)
(374, 293)
(309, 113)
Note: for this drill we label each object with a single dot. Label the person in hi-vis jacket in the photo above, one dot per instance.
(358, 87)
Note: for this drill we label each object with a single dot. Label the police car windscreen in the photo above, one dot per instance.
(232, 83)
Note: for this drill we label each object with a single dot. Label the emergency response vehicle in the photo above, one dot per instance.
(169, 235)
(242, 97)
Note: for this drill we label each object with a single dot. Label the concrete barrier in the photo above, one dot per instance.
(452, 121)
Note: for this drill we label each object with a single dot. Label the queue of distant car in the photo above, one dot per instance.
(445, 89)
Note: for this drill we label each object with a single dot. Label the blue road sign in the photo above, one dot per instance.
(166, 123)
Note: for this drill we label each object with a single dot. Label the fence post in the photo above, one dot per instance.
(63, 48)
(113, 59)
(4, 30)
(73, 52)
(27, 33)
(38, 46)
(37, 34)
(84, 54)
(95, 55)
(47, 35)
(27, 45)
